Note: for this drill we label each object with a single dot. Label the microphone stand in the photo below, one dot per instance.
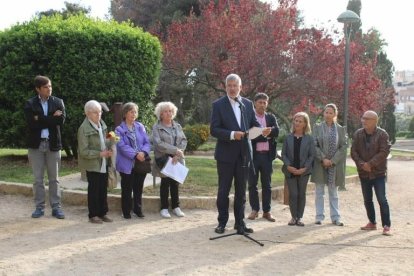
(247, 159)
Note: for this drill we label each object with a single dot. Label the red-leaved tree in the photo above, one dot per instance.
(299, 68)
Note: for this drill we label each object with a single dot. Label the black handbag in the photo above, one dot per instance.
(142, 167)
(161, 161)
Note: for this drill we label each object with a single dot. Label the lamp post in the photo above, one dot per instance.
(347, 17)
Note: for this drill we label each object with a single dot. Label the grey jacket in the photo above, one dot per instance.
(163, 143)
(319, 173)
(307, 153)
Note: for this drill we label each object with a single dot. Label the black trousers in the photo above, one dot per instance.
(97, 194)
(169, 185)
(263, 166)
(131, 183)
(226, 173)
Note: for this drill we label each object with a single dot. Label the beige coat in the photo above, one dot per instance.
(163, 143)
(319, 174)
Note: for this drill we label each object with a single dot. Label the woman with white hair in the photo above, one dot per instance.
(93, 156)
(168, 140)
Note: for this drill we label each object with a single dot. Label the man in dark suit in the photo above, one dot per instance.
(45, 115)
(264, 152)
(232, 117)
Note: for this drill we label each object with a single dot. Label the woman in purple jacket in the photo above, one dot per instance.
(133, 145)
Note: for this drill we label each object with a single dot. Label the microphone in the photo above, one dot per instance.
(237, 99)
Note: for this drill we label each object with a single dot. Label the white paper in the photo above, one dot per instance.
(178, 172)
(255, 132)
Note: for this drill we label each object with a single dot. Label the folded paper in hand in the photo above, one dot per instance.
(178, 172)
(254, 132)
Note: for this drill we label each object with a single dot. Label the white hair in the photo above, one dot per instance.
(92, 105)
(160, 107)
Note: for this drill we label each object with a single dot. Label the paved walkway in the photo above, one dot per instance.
(74, 182)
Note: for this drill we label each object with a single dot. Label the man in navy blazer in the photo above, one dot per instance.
(232, 117)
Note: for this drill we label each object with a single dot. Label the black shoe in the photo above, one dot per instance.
(139, 214)
(126, 216)
(220, 229)
(241, 229)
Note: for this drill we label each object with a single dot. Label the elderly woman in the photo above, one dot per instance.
(329, 167)
(168, 140)
(133, 146)
(93, 157)
(297, 154)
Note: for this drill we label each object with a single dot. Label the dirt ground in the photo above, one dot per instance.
(181, 246)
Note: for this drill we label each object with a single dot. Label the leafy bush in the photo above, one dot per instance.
(196, 135)
(402, 133)
(410, 135)
(85, 59)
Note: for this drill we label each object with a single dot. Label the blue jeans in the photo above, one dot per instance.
(379, 186)
(333, 202)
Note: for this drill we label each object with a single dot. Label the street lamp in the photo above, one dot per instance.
(347, 17)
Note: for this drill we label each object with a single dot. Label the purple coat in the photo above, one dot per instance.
(126, 154)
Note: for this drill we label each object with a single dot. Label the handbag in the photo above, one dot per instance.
(142, 167)
(161, 161)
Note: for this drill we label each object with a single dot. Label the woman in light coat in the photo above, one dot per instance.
(168, 139)
(298, 153)
(93, 157)
(329, 167)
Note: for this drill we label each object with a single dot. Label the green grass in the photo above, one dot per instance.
(397, 153)
(201, 181)
(15, 167)
(207, 146)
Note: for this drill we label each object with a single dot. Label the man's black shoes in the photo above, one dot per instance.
(220, 229)
(243, 229)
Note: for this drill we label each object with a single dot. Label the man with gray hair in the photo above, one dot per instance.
(231, 119)
(370, 148)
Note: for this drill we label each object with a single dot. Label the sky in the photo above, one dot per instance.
(390, 18)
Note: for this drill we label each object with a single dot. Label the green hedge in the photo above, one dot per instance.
(85, 59)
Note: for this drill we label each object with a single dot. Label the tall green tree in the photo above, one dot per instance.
(384, 69)
(70, 9)
(355, 28)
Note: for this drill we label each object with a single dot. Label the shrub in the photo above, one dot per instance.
(85, 59)
(410, 135)
(402, 133)
(196, 135)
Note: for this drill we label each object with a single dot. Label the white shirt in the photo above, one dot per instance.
(237, 112)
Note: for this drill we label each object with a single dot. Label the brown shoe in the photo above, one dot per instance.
(253, 215)
(106, 219)
(96, 220)
(369, 226)
(268, 216)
